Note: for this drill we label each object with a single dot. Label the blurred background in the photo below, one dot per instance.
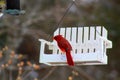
(19, 45)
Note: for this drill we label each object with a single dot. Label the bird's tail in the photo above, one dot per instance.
(69, 58)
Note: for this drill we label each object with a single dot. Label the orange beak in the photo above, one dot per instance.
(53, 38)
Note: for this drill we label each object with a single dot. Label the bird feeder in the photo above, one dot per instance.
(11, 7)
(89, 46)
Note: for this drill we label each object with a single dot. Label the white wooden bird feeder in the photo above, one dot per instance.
(89, 46)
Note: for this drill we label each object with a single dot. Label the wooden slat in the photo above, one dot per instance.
(104, 32)
(62, 32)
(74, 31)
(68, 33)
(80, 30)
(98, 31)
(79, 39)
(92, 38)
(56, 32)
(86, 34)
(92, 33)
(73, 38)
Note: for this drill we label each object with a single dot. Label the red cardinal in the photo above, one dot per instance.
(65, 46)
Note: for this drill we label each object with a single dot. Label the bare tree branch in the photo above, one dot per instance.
(82, 73)
(49, 73)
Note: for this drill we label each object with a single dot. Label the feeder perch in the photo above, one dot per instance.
(89, 46)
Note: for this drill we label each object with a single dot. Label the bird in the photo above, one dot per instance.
(65, 47)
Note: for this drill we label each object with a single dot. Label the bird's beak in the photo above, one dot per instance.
(53, 38)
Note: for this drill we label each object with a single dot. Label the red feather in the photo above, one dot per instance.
(65, 46)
